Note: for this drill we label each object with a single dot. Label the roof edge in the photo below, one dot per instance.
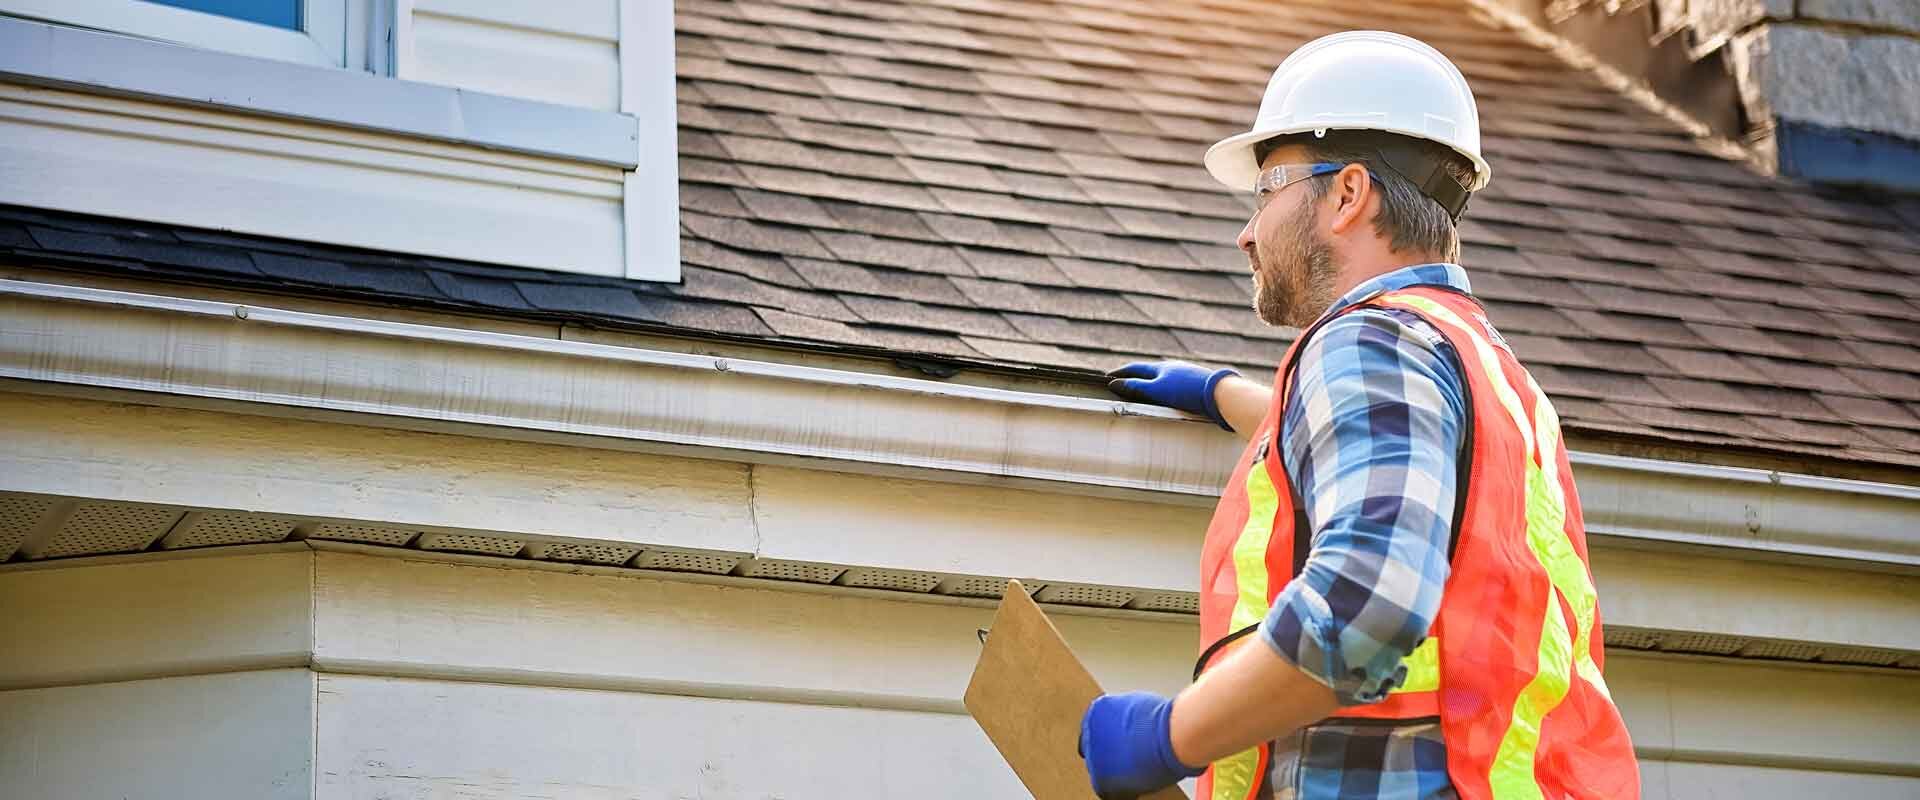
(276, 362)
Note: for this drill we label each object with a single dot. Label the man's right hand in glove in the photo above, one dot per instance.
(1220, 395)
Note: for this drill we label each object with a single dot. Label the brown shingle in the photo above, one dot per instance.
(888, 283)
(1020, 352)
(1775, 317)
(706, 284)
(1016, 267)
(913, 341)
(908, 314)
(1708, 364)
(1737, 339)
(1614, 387)
(786, 208)
(1797, 431)
(1047, 157)
(749, 235)
(796, 326)
(714, 200)
(1187, 314)
(917, 256)
(1732, 426)
(1230, 290)
(769, 268)
(1079, 216)
(1800, 374)
(1041, 185)
(951, 173)
(1900, 357)
(1884, 383)
(1003, 295)
(1706, 394)
(879, 220)
(1095, 335)
(992, 205)
(1870, 411)
(836, 136)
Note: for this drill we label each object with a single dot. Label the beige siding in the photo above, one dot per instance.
(101, 155)
(558, 51)
(528, 626)
(386, 737)
(443, 679)
(235, 735)
(169, 456)
(498, 487)
(1691, 780)
(139, 620)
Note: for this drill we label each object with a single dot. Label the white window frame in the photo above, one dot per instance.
(323, 40)
(68, 44)
(647, 86)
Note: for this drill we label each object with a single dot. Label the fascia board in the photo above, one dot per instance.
(277, 361)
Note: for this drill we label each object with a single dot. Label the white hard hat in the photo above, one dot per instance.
(1359, 80)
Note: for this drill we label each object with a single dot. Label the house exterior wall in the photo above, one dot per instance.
(475, 485)
(427, 678)
(529, 134)
(557, 52)
(230, 735)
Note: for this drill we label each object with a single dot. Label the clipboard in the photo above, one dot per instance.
(1028, 693)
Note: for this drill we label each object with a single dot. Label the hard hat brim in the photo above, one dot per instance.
(1231, 162)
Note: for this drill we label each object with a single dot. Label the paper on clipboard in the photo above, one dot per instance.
(1028, 693)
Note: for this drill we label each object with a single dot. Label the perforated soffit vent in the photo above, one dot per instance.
(37, 527)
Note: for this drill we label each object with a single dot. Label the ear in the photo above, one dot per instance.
(1352, 196)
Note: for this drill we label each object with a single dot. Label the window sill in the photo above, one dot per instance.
(73, 58)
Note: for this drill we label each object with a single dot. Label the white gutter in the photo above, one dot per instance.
(282, 362)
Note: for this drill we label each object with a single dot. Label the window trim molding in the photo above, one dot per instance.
(319, 42)
(40, 53)
(648, 85)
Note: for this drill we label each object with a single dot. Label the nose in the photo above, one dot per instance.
(1245, 239)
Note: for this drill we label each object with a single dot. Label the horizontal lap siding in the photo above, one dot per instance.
(383, 736)
(565, 51)
(389, 737)
(450, 679)
(209, 169)
(235, 735)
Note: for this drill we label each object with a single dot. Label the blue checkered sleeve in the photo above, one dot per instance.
(1372, 433)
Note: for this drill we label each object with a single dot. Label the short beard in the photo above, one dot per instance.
(1301, 289)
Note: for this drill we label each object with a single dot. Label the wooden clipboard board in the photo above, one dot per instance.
(1028, 693)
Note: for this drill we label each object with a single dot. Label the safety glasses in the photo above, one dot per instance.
(1281, 176)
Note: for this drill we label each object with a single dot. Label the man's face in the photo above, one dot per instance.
(1294, 273)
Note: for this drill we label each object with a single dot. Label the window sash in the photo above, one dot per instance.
(322, 42)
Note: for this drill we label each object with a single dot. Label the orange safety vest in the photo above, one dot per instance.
(1511, 665)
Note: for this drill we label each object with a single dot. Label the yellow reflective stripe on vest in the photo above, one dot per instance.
(1511, 775)
(1250, 549)
(1564, 567)
(1234, 776)
(1423, 668)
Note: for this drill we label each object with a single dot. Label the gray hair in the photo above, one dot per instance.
(1409, 219)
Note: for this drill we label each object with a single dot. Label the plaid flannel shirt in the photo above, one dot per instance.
(1371, 440)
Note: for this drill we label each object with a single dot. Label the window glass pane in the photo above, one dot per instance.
(278, 13)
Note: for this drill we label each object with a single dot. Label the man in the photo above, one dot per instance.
(1395, 598)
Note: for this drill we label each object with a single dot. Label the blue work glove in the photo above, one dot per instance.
(1174, 384)
(1127, 742)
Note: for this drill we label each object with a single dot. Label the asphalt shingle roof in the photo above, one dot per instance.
(1017, 182)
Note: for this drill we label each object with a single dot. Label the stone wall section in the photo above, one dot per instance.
(1852, 64)
(1826, 90)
